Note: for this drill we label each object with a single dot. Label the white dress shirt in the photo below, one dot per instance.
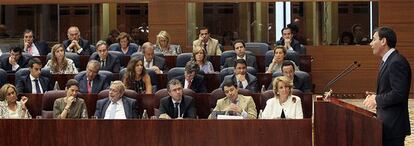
(34, 84)
(292, 108)
(119, 111)
(151, 63)
(35, 51)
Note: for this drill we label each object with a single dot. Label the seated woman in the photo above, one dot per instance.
(136, 77)
(59, 64)
(163, 45)
(70, 106)
(10, 108)
(278, 57)
(200, 58)
(284, 104)
(124, 44)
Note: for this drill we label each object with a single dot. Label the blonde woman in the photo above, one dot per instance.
(10, 108)
(59, 64)
(200, 58)
(163, 44)
(283, 104)
(278, 58)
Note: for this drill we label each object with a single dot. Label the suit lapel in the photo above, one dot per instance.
(126, 107)
(29, 85)
(105, 107)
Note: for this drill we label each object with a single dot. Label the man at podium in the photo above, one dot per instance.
(393, 87)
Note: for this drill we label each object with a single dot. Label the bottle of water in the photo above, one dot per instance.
(260, 114)
(263, 89)
(56, 87)
(145, 114)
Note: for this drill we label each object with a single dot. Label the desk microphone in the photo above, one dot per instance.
(345, 72)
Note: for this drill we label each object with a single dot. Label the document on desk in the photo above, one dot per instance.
(228, 117)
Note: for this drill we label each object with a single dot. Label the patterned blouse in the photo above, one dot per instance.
(70, 68)
(173, 50)
(6, 113)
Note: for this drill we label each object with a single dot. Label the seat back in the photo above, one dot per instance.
(182, 59)
(3, 77)
(257, 48)
(48, 100)
(225, 55)
(175, 72)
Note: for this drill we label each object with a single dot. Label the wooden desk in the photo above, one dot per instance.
(340, 123)
(156, 132)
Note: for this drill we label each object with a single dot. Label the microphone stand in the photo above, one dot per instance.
(345, 72)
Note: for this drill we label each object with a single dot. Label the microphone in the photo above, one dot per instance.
(345, 72)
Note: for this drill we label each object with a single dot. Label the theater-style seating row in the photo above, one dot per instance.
(42, 104)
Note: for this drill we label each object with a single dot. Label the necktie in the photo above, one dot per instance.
(240, 84)
(102, 63)
(176, 110)
(89, 86)
(189, 84)
(113, 110)
(205, 46)
(37, 86)
(29, 50)
(148, 64)
(283, 115)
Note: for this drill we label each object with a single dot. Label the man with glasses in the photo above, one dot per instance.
(234, 103)
(192, 80)
(91, 81)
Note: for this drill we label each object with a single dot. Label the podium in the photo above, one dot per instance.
(340, 123)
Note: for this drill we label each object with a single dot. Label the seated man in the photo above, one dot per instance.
(108, 61)
(116, 105)
(15, 61)
(75, 43)
(234, 103)
(243, 79)
(34, 48)
(33, 82)
(176, 105)
(288, 70)
(205, 41)
(91, 81)
(288, 41)
(151, 61)
(239, 48)
(192, 80)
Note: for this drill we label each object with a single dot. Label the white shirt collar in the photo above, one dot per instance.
(386, 55)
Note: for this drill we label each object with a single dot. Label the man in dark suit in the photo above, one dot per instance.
(239, 48)
(91, 81)
(33, 82)
(116, 105)
(299, 82)
(34, 48)
(108, 61)
(151, 61)
(393, 88)
(290, 43)
(192, 80)
(14, 61)
(75, 43)
(176, 105)
(243, 79)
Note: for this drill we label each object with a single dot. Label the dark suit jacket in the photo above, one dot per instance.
(160, 63)
(130, 107)
(393, 87)
(250, 60)
(251, 80)
(101, 82)
(295, 45)
(4, 63)
(113, 64)
(24, 84)
(187, 107)
(197, 85)
(83, 43)
(41, 46)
